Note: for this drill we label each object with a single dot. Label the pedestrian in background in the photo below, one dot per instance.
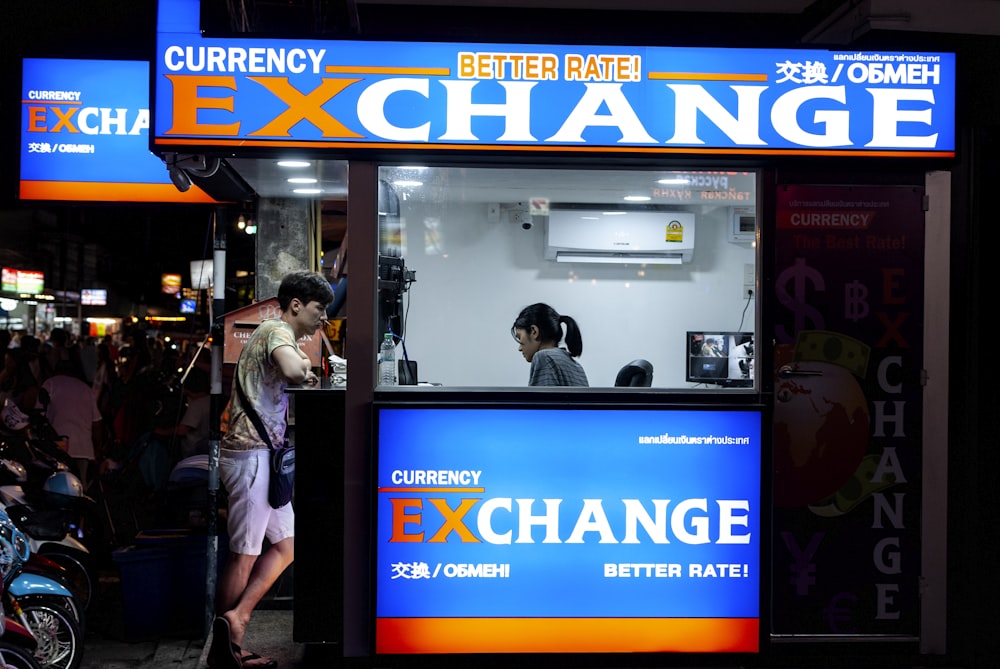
(73, 413)
(17, 382)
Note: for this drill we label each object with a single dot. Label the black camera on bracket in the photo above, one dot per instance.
(393, 274)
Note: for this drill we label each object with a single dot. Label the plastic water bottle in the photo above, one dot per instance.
(387, 362)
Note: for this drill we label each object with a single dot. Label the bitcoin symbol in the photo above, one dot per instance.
(797, 275)
(855, 301)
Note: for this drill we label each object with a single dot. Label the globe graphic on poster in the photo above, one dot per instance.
(821, 427)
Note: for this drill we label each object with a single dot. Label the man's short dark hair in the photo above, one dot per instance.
(306, 286)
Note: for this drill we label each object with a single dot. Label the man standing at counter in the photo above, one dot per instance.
(271, 360)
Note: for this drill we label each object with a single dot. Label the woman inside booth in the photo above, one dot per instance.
(538, 330)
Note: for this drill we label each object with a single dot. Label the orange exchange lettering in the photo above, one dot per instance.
(512, 66)
(690, 521)
(301, 106)
(88, 120)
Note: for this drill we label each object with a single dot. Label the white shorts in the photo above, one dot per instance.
(245, 475)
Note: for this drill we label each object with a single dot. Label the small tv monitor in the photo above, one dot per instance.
(188, 306)
(720, 358)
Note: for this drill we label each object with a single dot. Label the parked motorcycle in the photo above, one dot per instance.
(17, 646)
(45, 499)
(49, 529)
(36, 585)
(32, 432)
(13, 656)
(38, 603)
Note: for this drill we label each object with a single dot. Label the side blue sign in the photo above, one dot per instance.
(85, 133)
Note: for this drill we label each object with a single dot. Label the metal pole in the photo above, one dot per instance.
(217, 402)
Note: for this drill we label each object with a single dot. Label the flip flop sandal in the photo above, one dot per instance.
(252, 660)
(224, 654)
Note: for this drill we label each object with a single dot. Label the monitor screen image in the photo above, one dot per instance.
(720, 358)
(631, 531)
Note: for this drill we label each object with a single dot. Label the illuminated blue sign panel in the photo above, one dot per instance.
(568, 530)
(504, 97)
(85, 134)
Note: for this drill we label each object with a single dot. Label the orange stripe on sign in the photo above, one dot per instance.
(418, 71)
(705, 76)
(554, 149)
(78, 191)
(566, 635)
(50, 102)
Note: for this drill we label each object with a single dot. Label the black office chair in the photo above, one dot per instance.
(636, 374)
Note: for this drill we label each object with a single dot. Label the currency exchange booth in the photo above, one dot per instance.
(650, 194)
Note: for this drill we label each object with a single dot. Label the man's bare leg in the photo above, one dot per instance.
(246, 579)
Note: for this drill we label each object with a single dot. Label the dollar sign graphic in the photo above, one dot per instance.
(797, 275)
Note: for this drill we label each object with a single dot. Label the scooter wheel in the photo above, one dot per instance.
(16, 657)
(60, 642)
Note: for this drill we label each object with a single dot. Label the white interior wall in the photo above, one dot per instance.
(470, 288)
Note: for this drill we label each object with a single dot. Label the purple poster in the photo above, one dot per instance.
(847, 417)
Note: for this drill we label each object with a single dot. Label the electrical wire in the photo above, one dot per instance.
(744, 314)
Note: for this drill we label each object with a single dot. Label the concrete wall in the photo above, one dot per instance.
(285, 242)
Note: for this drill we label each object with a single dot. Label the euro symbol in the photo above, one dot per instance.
(835, 613)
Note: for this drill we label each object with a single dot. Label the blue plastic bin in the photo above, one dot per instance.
(163, 584)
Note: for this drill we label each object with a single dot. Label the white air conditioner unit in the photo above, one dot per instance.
(652, 237)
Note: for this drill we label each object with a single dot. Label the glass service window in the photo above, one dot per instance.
(657, 268)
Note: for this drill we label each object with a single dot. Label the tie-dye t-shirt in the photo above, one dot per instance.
(264, 386)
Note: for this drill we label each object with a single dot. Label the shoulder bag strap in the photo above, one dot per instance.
(248, 408)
